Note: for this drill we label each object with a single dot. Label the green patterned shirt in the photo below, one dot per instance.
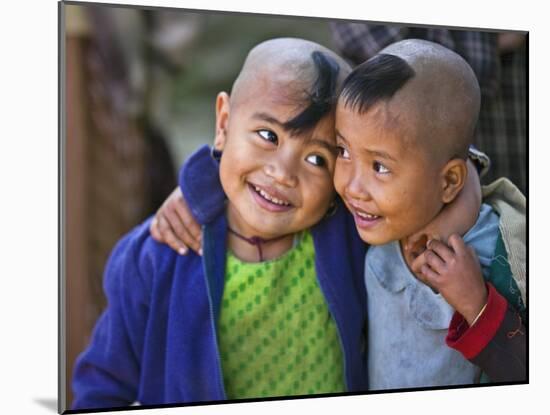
(275, 333)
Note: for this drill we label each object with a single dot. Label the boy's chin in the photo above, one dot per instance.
(372, 238)
(269, 230)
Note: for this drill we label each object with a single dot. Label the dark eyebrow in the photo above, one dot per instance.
(378, 153)
(381, 154)
(262, 116)
(339, 134)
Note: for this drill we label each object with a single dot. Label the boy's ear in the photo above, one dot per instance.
(222, 119)
(454, 177)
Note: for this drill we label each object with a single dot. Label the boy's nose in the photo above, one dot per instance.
(282, 172)
(356, 188)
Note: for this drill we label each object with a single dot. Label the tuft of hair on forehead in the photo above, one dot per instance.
(379, 78)
(321, 96)
(429, 87)
(310, 74)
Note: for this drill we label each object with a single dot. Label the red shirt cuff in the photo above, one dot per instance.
(470, 341)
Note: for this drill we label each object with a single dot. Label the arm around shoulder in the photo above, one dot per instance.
(496, 342)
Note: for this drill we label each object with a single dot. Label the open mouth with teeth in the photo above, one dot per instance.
(268, 201)
(366, 216)
(364, 219)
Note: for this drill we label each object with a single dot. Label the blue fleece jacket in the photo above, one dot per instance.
(156, 341)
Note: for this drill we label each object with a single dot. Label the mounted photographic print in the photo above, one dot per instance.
(261, 207)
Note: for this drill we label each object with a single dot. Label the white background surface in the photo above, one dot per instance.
(29, 208)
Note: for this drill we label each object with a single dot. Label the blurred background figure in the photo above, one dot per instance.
(499, 62)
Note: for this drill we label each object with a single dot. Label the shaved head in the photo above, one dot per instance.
(294, 71)
(427, 90)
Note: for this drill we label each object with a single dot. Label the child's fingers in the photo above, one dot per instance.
(434, 262)
(441, 249)
(457, 243)
(418, 262)
(192, 227)
(154, 230)
(169, 237)
(180, 229)
(428, 276)
(173, 242)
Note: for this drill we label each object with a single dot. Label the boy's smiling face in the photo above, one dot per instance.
(404, 120)
(276, 183)
(387, 180)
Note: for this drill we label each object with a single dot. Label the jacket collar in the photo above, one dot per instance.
(215, 248)
(199, 181)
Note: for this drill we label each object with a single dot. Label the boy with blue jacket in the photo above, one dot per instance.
(272, 307)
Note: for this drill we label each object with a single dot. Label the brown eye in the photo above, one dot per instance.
(342, 152)
(316, 160)
(268, 135)
(380, 168)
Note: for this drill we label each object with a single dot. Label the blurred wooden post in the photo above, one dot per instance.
(77, 278)
(106, 156)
